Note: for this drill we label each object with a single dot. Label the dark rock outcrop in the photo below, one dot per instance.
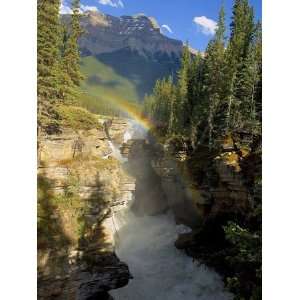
(150, 196)
(83, 281)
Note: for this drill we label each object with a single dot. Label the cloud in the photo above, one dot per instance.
(64, 9)
(67, 10)
(166, 27)
(206, 25)
(88, 8)
(113, 3)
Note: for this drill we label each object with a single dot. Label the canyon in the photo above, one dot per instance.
(128, 203)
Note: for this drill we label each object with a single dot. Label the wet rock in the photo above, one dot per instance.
(185, 240)
(106, 273)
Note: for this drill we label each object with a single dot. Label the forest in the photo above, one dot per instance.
(217, 92)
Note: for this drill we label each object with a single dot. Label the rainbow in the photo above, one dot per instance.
(132, 110)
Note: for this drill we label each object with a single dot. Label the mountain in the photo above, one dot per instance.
(122, 57)
(106, 34)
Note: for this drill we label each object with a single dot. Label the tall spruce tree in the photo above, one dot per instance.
(221, 92)
(258, 86)
(242, 30)
(163, 94)
(71, 54)
(195, 95)
(54, 84)
(213, 81)
(48, 40)
(181, 104)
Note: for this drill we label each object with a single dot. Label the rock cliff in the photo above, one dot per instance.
(80, 187)
(199, 186)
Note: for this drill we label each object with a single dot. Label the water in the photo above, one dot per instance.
(135, 131)
(160, 271)
(146, 244)
(127, 136)
(116, 152)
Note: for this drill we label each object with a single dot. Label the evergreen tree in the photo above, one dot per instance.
(214, 78)
(245, 90)
(48, 35)
(52, 82)
(181, 104)
(195, 97)
(57, 61)
(242, 30)
(219, 93)
(71, 55)
(258, 86)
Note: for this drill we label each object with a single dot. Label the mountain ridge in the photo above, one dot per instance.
(124, 56)
(106, 33)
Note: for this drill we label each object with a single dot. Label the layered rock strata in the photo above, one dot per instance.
(81, 186)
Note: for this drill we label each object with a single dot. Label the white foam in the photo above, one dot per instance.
(160, 271)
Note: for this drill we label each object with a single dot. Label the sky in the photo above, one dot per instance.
(187, 20)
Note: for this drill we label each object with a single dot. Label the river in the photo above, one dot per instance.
(159, 270)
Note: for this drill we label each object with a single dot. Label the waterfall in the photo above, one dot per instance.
(116, 152)
(127, 135)
(136, 131)
(160, 271)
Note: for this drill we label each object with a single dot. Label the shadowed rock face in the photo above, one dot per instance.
(86, 282)
(150, 196)
(197, 186)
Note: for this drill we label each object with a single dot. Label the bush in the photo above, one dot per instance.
(245, 261)
(76, 118)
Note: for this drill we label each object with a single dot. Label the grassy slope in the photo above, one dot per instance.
(121, 77)
(103, 88)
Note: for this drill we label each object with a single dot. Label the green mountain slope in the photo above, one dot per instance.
(121, 76)
(101, 79)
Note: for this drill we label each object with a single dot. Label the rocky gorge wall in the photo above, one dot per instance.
(80, 187)
(203, 188)
(195, 187)
(200, 184)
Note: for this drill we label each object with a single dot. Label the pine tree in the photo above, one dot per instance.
(51, 79)
(195, 97)
(181, 104)
(242, 30)
(219, 93)
(48, 35)
(258, 87)
(214, 77)
(71, 55)
(246, 89)
(58, 61)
